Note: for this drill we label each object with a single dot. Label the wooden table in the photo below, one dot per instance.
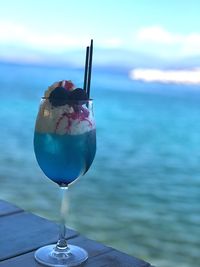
(21, 233)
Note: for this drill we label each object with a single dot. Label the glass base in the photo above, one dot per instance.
(51, 256)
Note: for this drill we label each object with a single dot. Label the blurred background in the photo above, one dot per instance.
(141, 194)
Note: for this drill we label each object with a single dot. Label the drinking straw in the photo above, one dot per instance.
(86, 69)
(89, 68)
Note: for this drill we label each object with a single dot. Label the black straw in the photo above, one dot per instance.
(89, 68)
(86, 69)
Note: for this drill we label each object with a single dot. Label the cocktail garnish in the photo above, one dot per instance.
(59, 96)
(78, 94)
(68, 85)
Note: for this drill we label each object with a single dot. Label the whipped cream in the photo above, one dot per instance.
(64, 119)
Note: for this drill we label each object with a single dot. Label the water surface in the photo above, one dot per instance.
(142, 193)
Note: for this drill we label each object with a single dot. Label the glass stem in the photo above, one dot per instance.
(62, 240)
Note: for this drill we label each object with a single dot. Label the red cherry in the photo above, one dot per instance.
(68, 85)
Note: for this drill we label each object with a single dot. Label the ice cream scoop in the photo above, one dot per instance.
(65, 110)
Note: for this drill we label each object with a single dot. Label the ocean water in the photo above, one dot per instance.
(142, 192)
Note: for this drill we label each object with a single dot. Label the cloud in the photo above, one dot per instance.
(176, 43)
(167, 76)
(13, 33)
(21, 35)
(157, 34)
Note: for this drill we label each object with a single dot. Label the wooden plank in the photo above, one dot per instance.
(7, 208)
(116, 259)
(24, 232)
(99, 256)
(93, 248)
(103, 256)
(21, 233)
(27, 259)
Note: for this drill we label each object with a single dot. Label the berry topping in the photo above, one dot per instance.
(78, 94)
(59, 96)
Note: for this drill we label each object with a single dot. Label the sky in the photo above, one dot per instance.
(148, 30)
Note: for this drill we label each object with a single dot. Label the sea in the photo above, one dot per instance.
(142, 192)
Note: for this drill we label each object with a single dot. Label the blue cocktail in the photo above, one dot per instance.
(64, 158)
(65, 146)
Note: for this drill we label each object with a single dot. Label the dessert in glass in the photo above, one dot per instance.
(65, 146)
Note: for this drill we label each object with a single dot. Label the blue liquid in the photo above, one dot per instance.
(63, 158)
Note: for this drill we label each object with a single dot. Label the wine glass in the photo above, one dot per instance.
(65, 146)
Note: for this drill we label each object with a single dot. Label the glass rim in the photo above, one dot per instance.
(70, 100)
